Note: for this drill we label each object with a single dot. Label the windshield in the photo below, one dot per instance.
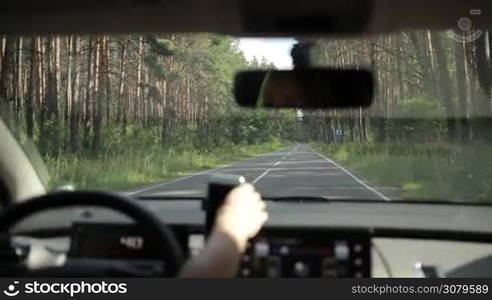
(153, 115)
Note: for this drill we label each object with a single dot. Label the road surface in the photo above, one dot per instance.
(293, 171)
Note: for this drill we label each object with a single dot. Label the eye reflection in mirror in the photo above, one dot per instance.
(281, 89)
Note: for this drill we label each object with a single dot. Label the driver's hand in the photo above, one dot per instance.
(242, 215)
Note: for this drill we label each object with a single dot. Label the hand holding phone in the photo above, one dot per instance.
(219, 187)
(234, 207)
(242, 215)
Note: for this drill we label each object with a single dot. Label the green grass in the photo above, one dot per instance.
(425, 171)
(138, 166)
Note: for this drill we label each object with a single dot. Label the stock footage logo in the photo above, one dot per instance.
(464, 32)
(11, 290)
(69, 288)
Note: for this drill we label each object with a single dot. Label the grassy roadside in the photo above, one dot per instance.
(143, 166)
(430, 171)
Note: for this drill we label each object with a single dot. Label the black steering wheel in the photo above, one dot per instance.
(165, 239)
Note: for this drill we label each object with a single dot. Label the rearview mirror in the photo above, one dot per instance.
(305, 88)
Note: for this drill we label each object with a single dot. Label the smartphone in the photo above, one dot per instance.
(218, 187)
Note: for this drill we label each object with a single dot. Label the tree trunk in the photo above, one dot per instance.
(121, 87)
(107, 86)
(138, 92)
(68, 87)
(445, 89)
(483, 59)
(99, 91)
(89, 90)
(33, 89)
(6, 79)
(420, 44)
(462, 89)
(19, 90)
(75, 107)
(51, 98)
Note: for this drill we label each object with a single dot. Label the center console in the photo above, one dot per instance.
(308, 253)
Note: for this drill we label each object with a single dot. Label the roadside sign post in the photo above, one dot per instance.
(339, 136)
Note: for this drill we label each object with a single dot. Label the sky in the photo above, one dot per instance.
(275, 50)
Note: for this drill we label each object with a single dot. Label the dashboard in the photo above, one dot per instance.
(110, 241)
(300, 240)
(274, 253)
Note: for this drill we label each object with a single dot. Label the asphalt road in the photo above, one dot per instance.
(294, 171)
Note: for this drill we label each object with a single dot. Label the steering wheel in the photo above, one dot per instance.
(165, 239)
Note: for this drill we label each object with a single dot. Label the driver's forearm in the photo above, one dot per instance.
(219, 258)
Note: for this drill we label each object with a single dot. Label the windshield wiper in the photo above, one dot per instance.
(171, 198)
(298, 199)
(321, 199)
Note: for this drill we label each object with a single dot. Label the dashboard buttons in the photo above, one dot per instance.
(331, 273)
(322, 254)
(301, 269)
(328, 263)
(273, 266)
(284, 250)
(245, 272)
(342, 250)
(329, 267)
(358, 262)
(343, 271)
(262, 249)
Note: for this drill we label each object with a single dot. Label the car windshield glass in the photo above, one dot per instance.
(153, 115)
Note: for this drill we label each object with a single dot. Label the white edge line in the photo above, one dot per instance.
(192, 175)
(381, 195)
(275, 165)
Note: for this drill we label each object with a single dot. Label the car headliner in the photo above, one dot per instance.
(237, 17)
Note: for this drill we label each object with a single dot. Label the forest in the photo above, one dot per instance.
(118, 111)
(427, 75)
(428, 132)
